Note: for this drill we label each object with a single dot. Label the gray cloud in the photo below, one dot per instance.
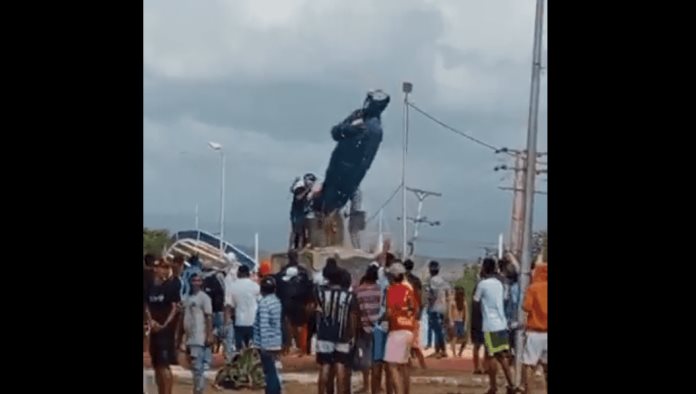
(268, 79)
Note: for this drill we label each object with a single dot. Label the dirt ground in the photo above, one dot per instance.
(184, 387)
(458, 372)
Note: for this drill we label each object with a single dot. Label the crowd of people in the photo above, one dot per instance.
(369, 324)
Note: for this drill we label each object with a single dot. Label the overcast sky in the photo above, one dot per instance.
(268, 79)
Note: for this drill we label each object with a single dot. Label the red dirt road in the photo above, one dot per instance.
(442, 367)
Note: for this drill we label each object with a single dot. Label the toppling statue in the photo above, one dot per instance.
(358, 138)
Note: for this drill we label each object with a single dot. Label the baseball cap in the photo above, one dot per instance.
(397, 268)
(290, 273)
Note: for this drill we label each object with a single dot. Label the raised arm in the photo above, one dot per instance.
(350, 127)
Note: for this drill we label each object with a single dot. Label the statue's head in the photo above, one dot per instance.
(375, 103)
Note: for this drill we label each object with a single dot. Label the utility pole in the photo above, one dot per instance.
(516, 227)
(421, 195)
(530, 174)
(517, 219)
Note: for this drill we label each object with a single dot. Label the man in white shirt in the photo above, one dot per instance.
(490, 293)
(438, 304)
(243, 300)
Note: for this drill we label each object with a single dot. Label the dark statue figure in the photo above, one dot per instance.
(358, 138)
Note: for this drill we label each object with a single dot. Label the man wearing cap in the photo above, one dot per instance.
(401, 308)
(243, 300)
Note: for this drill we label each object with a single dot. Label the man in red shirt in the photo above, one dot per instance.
(401, 308)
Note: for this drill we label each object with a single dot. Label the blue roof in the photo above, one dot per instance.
(214, 242)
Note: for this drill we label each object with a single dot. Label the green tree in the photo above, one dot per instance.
(155, 240)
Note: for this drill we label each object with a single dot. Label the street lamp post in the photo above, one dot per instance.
(218, 148)
(407, 88)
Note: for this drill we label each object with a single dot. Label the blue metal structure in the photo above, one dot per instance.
(207, 246)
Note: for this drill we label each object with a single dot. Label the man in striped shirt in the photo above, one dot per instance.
(369, 297)
(267, 333)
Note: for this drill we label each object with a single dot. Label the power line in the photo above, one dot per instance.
(452, 129)
(396, 191)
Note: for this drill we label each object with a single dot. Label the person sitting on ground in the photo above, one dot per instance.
(198, 324)
(401, 308)
(268, 335)
(495, 327)
(536, 305)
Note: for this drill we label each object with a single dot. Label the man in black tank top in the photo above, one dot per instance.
(337, 323)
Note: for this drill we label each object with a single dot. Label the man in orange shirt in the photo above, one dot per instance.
(401, 308)
(536, 305)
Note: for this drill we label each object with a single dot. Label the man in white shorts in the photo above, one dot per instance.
(536, 307)
(401, 308)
